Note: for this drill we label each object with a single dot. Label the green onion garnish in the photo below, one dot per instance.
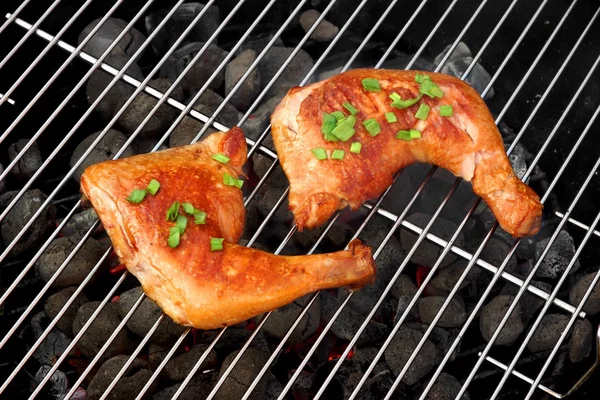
(222, 158)
(350, 108)
(231, 181)
(338, 154)
(403, 135)
(173, 212)
(372, 126)
(153, 187)
(422, 112)
(328, 123)
(189, 208)
(446, 111)
(345, 129)
(174, 236)
(415, 134)
(320, 153)
(216, 244)
(371, 84)
(356, 147)
(330, 137)
(391, 117)
(181, 223)
(338, 115)
(395, 96)
(136, 196)
(406, 103)
(419, 78)
(200, 218)
(429, 88)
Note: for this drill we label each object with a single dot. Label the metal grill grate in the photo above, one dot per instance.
(417, 20)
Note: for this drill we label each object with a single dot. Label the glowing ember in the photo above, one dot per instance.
(115, 299)
(250, 326)
(118, 269)
(422, 272)
(337, 352)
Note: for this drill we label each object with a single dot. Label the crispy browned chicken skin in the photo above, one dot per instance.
(194, 285)
(467, 144)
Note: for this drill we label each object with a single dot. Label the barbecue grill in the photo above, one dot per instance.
(534, 63)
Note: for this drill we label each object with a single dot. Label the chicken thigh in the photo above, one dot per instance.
(387, 120)
(174, 218)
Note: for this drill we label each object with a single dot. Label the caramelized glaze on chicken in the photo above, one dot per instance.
(193, 284)
(467, 144)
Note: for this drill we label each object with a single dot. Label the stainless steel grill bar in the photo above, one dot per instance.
(51, 43)
(414, 247)
(545, 308)
(469, 257)
(563, 221)
(236, 87)
(28, 34)
(164, 362)
(136, 83)
(79, 245)
(257, 143)
(577, 223)
(117, 156)
(524, 377)
(14, 15)
(51, 324)
(71, 132)
(104, 347)
(35, 215)
(437, 317)
(137, 351)
(84, 328)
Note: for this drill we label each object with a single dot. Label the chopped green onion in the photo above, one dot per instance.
(356, 147)
(338, 154)
(371, 84)
(419, 78)
(330, 137)
(350, 108)
(222, 158)
(231, 181)
(174, 236)
(422, 112)
(395, 96)
(200, 218)
(372, 126)
(137, 196)
(216, 244)
(153, 187)
(189, 208)
(415, 134)
(338, 115)
(173, 211)
(403, 135)
(328, 123)
(429, 88)
(446, 111)
(345, 129)
(391, 117)
(400, 104)
(181, 223)
(320, 153)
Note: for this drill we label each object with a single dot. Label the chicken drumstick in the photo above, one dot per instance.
(184, 253)
(385, 120)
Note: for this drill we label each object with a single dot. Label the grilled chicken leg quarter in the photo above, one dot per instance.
(467, 143)
(197, 282)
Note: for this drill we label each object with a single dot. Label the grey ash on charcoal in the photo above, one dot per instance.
(351, 318)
